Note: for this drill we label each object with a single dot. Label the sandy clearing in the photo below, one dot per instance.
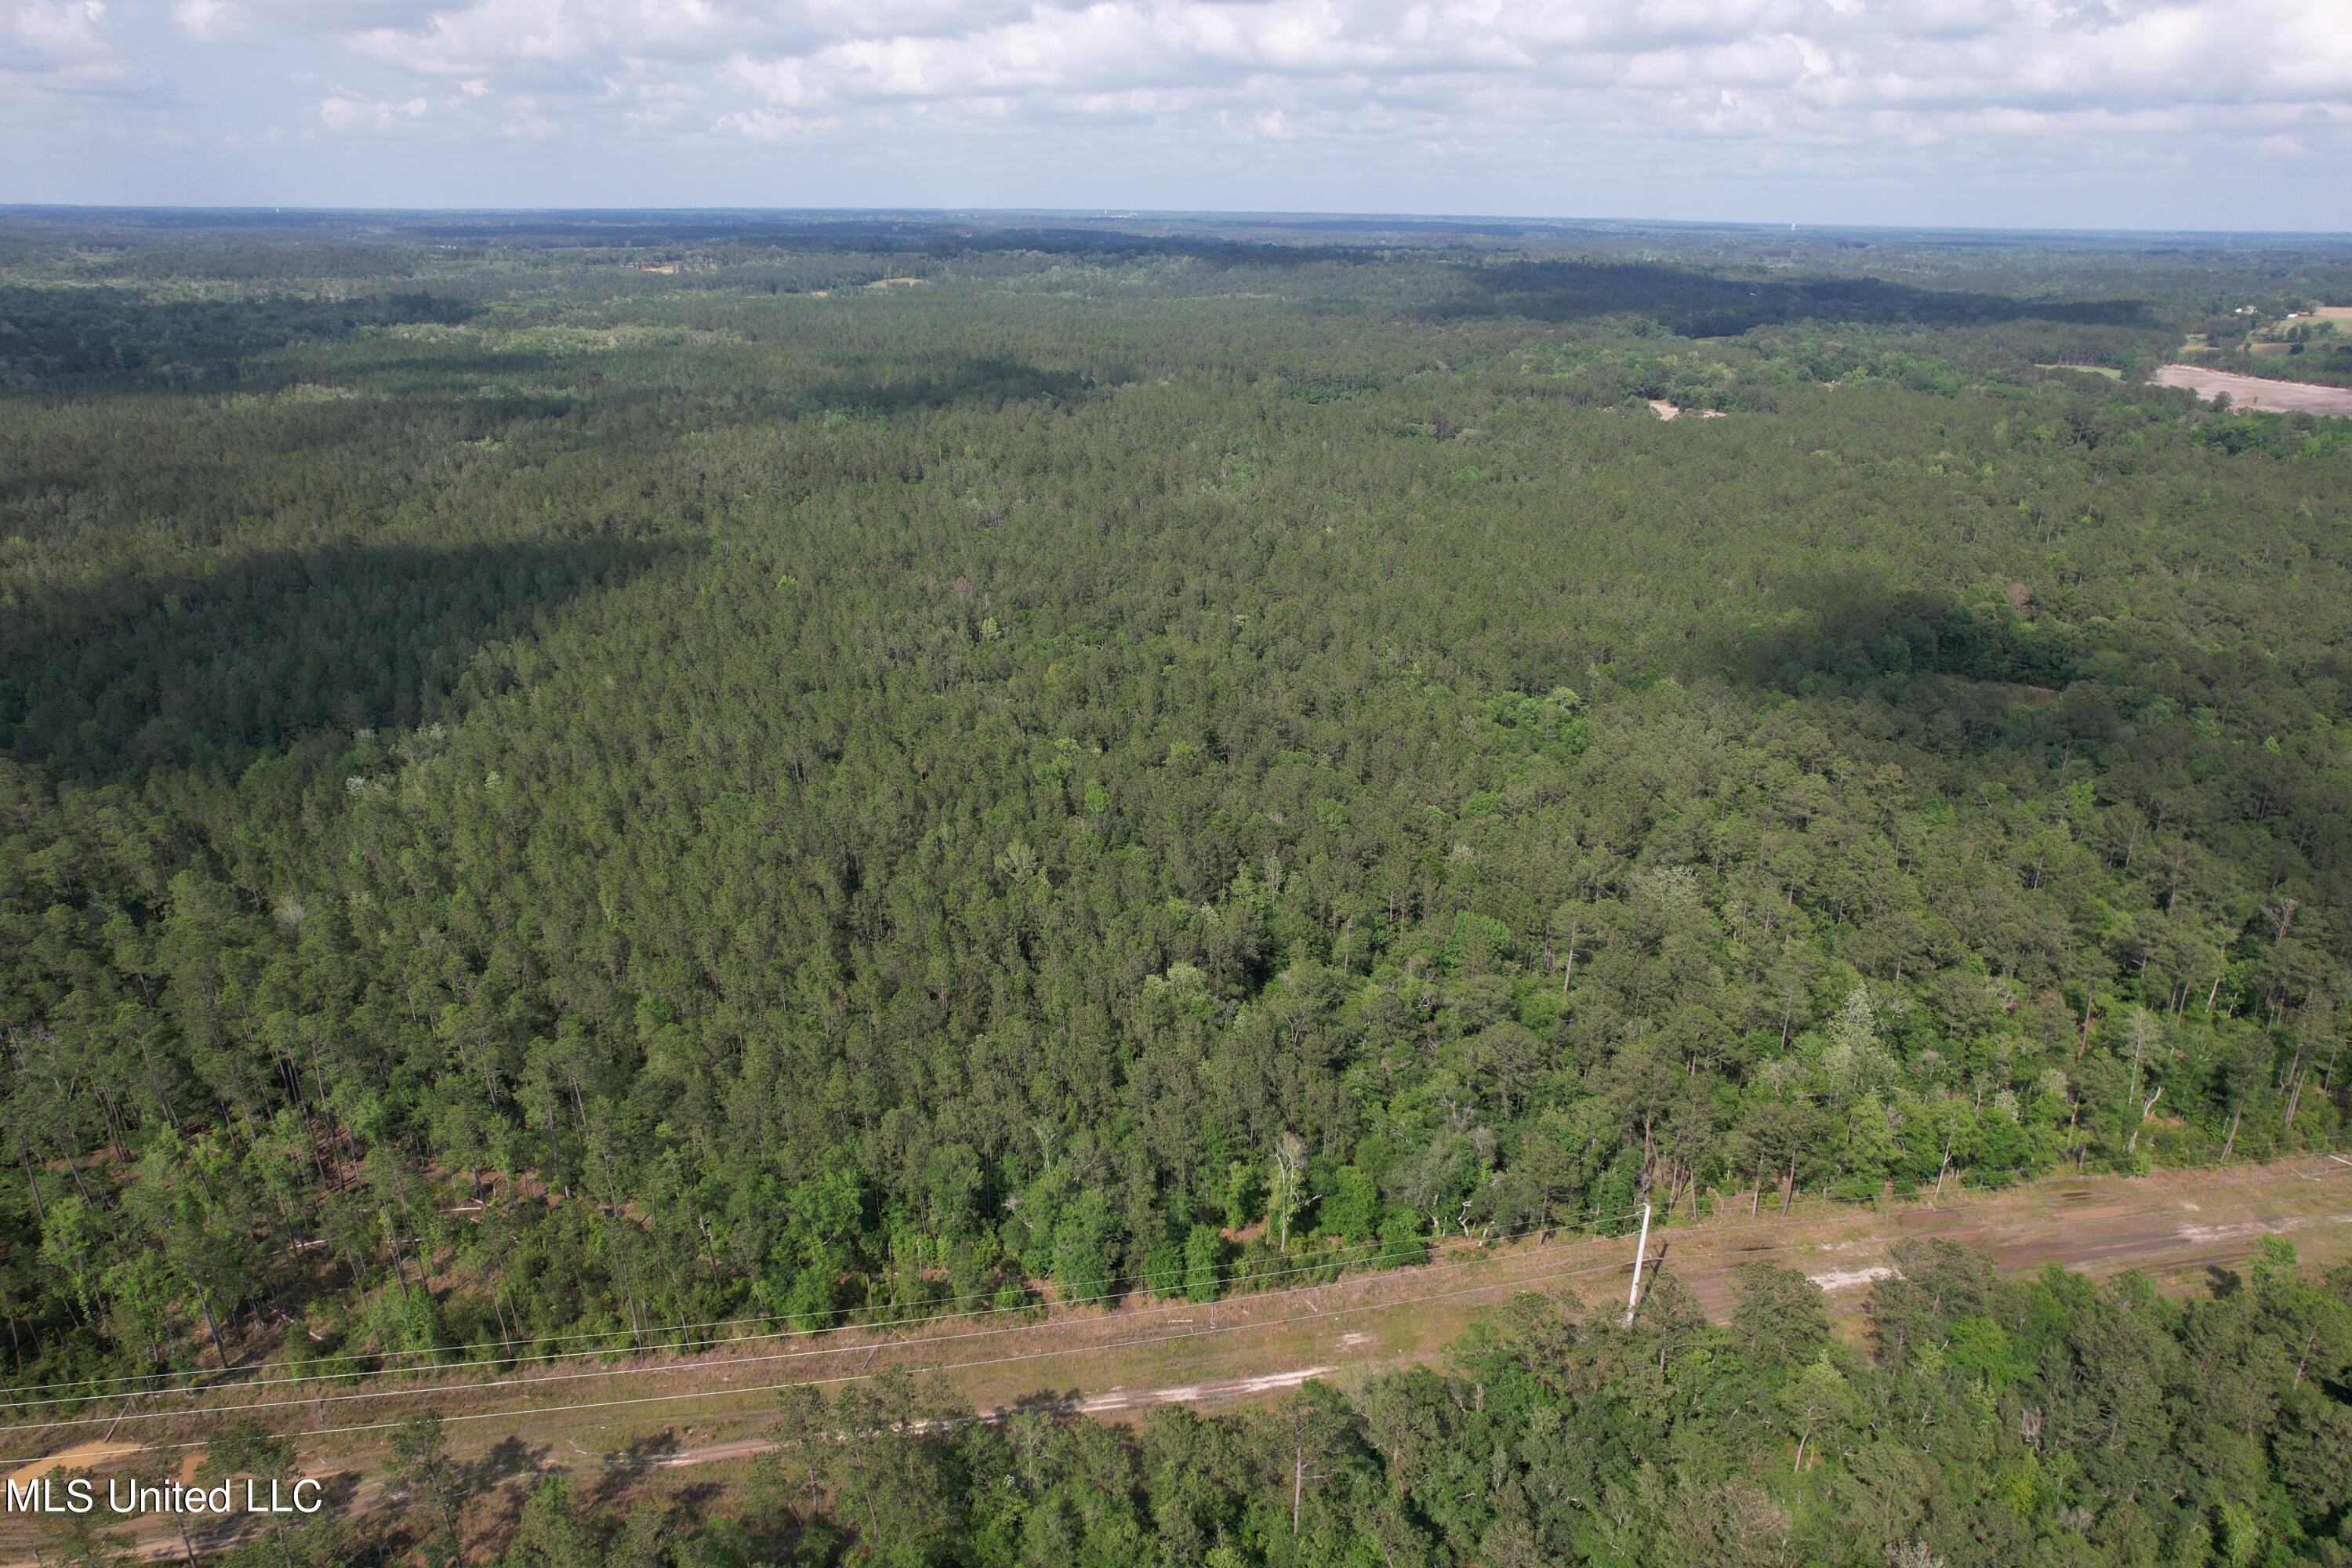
(80, 1456)
(1847, 1278)
(1227, 1390)
(2253, 391)
(1231, 1388)
(1665, 410)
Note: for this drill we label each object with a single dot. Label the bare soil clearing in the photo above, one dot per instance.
(80, 1456)
(2253, 391)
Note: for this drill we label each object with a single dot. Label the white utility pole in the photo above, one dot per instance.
(1642, 1250)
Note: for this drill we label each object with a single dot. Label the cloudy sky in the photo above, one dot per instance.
(2132, 113)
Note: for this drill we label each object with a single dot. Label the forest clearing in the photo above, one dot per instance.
(2253, 391)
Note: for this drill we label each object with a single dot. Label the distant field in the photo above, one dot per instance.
(2330, 322)
(2108, 371)
(2254, 392)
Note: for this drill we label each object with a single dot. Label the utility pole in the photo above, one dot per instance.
(1641, 1250)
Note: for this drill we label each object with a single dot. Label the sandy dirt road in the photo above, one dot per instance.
(628, 1424)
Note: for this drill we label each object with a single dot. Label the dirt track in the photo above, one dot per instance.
(629, 1421)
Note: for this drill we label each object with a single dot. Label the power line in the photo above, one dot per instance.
(116, 1417)
(1335, 1257)
(1338, 1256)
(693, 1368)
(1214, 1329)
(1325, 1261)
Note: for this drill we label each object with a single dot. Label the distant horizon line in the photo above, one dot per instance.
(1117, 215)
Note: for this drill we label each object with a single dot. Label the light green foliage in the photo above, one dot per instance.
(1352, 1211)
(1204, 1262)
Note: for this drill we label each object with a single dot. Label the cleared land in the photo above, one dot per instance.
(628, 1422)
(2254, 392)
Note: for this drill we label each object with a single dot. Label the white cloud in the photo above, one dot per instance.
(492, 35)
(1537, 91)
(347, 112)
(772, 125)
(1832, 69)
(63, 47)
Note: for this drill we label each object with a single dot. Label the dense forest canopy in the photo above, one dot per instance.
(591, 772)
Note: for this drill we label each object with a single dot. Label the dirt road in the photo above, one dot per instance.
(629, 1422)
